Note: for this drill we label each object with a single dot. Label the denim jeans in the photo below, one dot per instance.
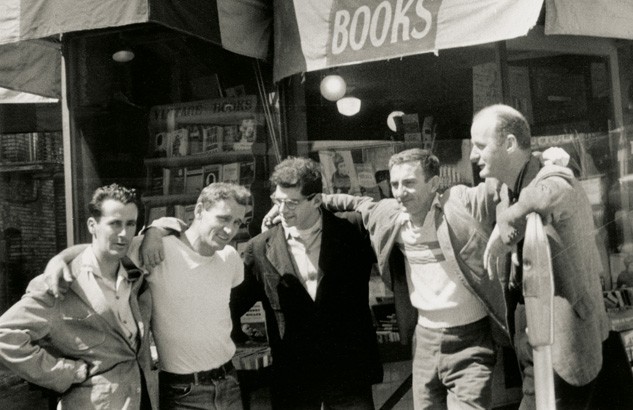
(452, 367)
(222, 394)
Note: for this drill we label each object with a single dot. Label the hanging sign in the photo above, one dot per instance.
(360, 31)
(316, 34)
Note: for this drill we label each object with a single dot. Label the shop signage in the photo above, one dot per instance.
(361, 32)
(317, 34)
(201, 111)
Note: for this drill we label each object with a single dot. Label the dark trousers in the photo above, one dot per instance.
(312, 397)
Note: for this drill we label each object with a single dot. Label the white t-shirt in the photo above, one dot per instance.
(434, 288)
(191, 320)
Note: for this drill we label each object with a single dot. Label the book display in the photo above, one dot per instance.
(195, 144)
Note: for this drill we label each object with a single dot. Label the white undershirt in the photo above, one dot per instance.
(191, 320)
(435, 289)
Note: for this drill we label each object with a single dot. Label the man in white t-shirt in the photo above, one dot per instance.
(191, 290)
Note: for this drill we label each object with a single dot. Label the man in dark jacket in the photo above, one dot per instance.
(312, 275)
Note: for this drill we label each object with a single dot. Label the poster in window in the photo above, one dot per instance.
(339, 173)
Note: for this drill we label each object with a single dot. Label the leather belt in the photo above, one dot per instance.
(204, 377)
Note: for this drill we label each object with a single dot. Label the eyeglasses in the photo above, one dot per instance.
(291, 204)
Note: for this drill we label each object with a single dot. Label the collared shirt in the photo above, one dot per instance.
(117, 296)
(305, 248)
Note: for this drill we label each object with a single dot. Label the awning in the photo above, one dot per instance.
(316, 34)
(599, 18)
(241, 26)
(15, 97)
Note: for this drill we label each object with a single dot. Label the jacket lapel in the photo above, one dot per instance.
(85, 286)
(278, 254)
(87, 289)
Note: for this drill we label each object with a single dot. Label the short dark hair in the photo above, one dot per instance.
(508, 121)
(429, 162)
(113, 191)
(297, 172)
(219, 191)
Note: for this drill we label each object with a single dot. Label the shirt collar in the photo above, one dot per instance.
(90, 264)
(292, 232)
(404, 217)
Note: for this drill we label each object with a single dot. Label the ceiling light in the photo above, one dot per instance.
(123, 55)
(348, 106)
(391, 122)
(333, 87)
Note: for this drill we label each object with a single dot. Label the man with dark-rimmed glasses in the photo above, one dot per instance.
(311, 273)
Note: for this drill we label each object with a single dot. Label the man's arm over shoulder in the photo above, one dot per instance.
(249, 291)
(151, 251)
(372, 212)
(22, 327)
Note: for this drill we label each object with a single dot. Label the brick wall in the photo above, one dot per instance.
(32, 212)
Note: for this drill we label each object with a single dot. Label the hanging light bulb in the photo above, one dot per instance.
(333, 87)
(123, 55)
(391, 122)
(348, 106)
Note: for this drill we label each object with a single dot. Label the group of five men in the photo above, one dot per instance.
(311, 273)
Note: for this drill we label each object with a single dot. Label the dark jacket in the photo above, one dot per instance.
(330, 341)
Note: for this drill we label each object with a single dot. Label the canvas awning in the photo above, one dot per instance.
(599, 18)
(316, 34)
(30, 64)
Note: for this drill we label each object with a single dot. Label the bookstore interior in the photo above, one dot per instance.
(184, 113)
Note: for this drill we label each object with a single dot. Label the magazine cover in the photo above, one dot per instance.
(339, 173)
(211, 173)
(367, 181)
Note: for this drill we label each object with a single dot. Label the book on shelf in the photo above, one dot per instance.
(157, 182)
(178, 143)
(194, 179)
(185, 212)
(247, 134)
(212, 138)
(175, 181)
(195, 139)
(231, 173)
(247, 173)
(230, 135)
(156, 212)
(160, 145)
(211, 173)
